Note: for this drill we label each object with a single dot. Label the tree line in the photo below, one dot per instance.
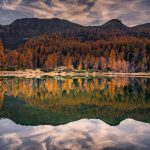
(124, 54)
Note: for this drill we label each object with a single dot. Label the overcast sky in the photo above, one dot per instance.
(85, 12)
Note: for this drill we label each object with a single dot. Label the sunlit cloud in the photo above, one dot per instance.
(85, 12)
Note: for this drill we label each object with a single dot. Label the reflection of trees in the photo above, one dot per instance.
(2, 91)
(119, 92)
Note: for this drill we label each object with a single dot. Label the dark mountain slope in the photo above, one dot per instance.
(36, 26)
(23, 29)
(143, 27)
(114, 24)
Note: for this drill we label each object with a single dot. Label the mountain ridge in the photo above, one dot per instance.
(18, 31)
(50, 19)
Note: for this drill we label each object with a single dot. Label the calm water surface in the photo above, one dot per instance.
(118, 109)
(63, 100)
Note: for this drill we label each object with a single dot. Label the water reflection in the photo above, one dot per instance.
(58, 101)
(79, 135)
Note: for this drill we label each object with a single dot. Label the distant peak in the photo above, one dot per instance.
(114, 23)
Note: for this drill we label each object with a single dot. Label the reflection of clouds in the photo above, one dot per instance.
(82, 134)
(86, 12)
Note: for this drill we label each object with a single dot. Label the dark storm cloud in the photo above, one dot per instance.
(85, 12)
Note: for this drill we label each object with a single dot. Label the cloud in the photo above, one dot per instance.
(10, 5)
(85, 12)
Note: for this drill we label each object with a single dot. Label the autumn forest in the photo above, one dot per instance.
(120, 51)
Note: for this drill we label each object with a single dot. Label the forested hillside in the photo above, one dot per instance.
(119, 55)
(53, 43)
(23, 29)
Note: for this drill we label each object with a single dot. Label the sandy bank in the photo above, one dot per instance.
(29, 73)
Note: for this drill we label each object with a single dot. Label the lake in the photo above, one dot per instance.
(120, 106)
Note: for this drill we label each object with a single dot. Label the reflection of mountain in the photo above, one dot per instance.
(110, 99)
